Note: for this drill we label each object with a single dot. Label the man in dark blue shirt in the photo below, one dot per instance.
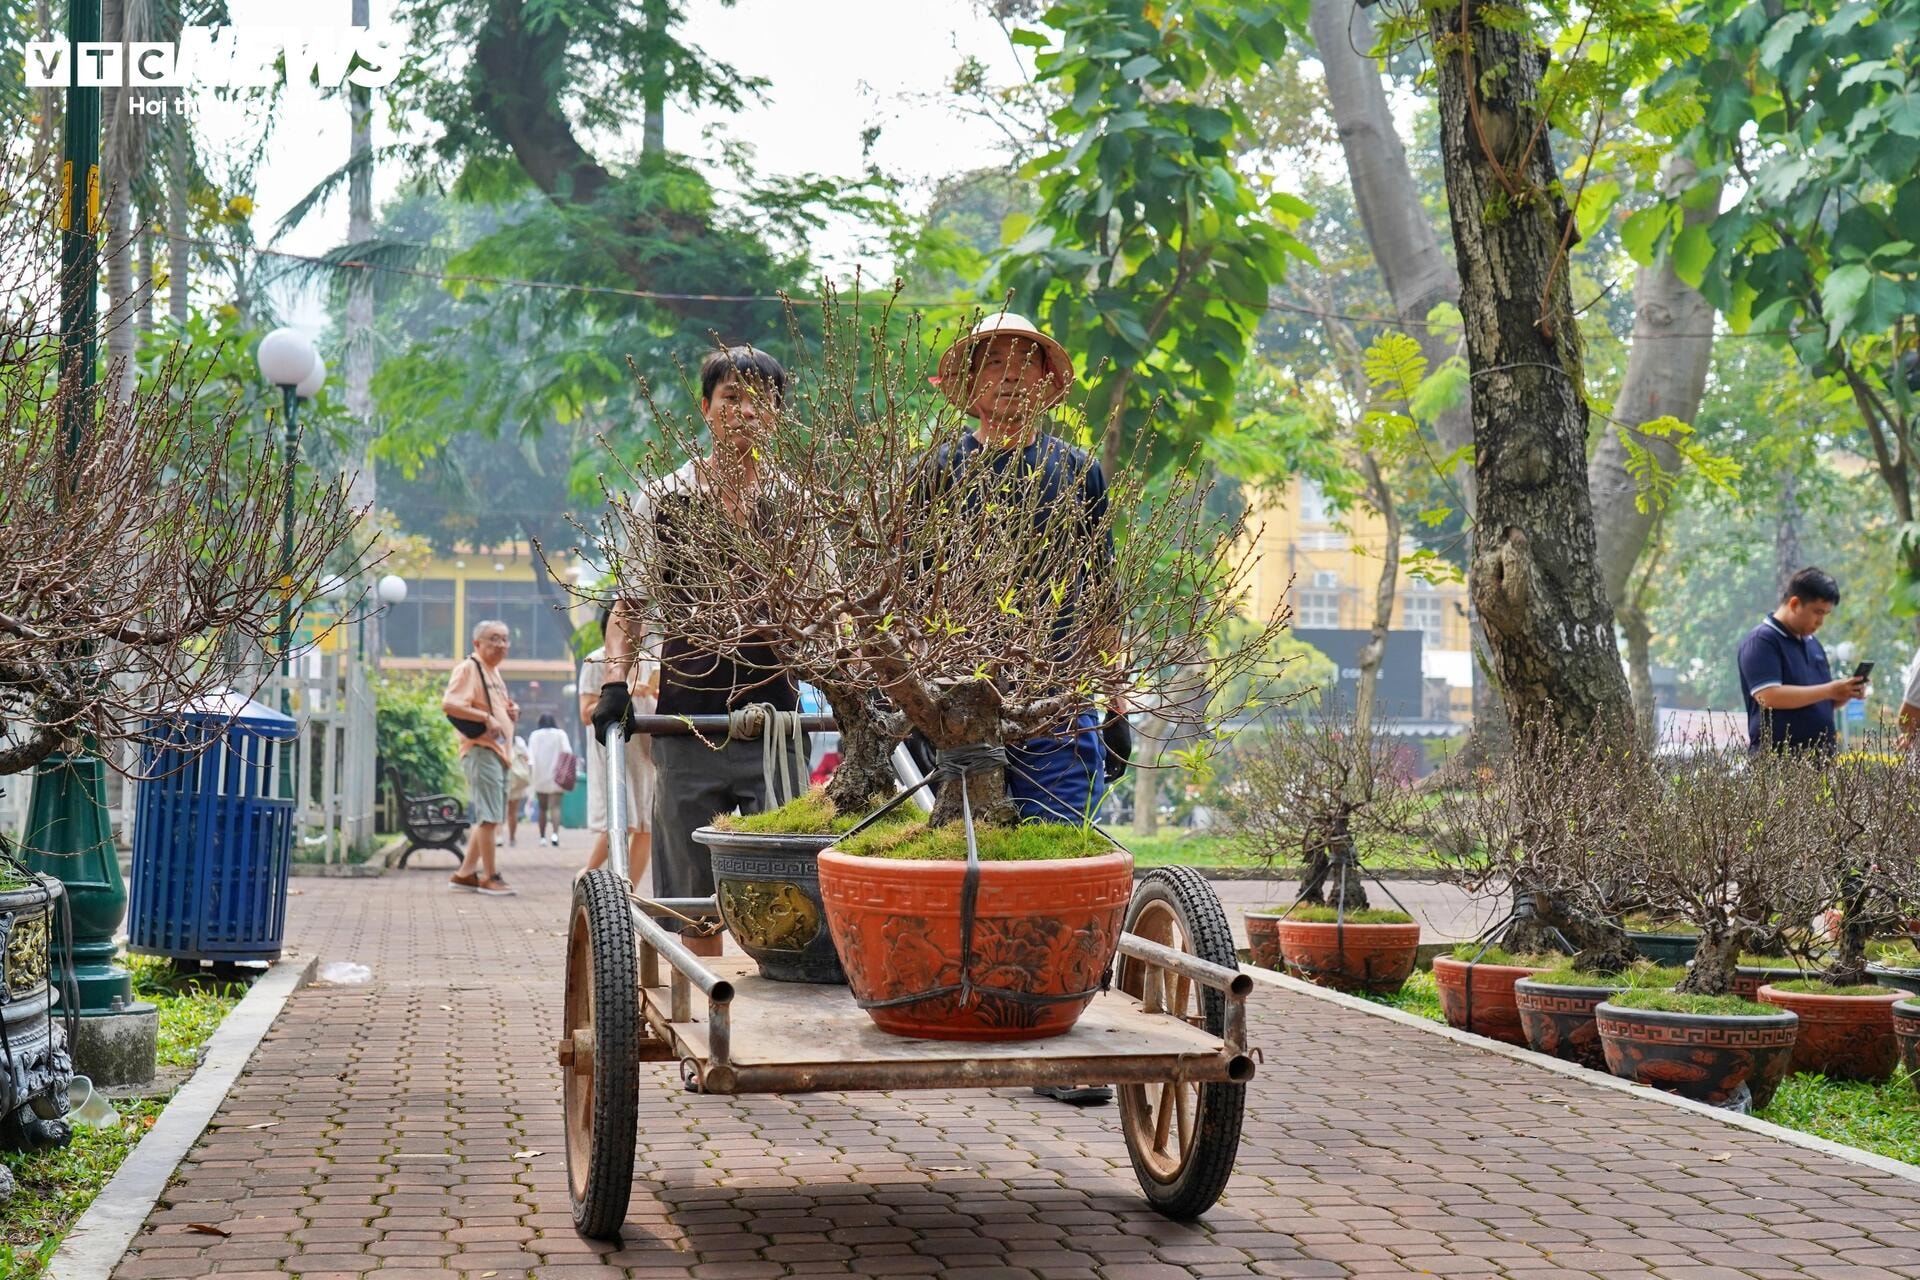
(1790, 691)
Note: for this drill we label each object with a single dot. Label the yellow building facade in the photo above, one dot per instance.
(1326, 564)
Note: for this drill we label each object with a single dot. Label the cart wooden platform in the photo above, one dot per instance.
(1170, 1034)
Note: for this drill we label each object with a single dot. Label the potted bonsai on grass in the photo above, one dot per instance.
(1312, 788)
(1556, 1006)
(1725, 842)
(1867, 815)
(991, 605)
(1528, 825)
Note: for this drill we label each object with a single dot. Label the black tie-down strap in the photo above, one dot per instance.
(957, 763)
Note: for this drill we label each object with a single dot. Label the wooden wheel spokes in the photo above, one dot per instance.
(576, 1085)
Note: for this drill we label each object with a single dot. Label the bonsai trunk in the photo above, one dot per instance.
(1850, 961)
(968, 714)
(1320, 868)
(1598, 944)
(1714, 961)
(864, 779)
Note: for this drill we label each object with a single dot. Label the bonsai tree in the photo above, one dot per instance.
(977, 606)
(1867, 824)
(1538, 823)
(1727, 842)
(1310, 790)
(143, 538)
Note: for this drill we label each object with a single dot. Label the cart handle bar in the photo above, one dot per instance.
(1204, 972)
(716, 988)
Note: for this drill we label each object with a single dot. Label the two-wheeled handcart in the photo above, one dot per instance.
(1170, 1032)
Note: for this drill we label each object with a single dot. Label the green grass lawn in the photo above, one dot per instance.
(55, 1187)
(1184, 849)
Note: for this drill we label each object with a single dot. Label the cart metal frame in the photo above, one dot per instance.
(1171, 1032)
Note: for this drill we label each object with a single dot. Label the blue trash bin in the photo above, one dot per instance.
(211, 836)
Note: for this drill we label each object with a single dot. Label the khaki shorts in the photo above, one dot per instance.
(486, 785)
(639, 784)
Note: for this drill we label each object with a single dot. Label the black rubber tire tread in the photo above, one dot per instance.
(1222, 1106)
(600, 1212)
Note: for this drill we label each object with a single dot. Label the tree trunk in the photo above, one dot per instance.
(363, 495)
(1666, 374)
(653, 129)
(1787, 556)
(1715, 958)
(1639, 633)
(144, 322)
(122, 154)
(1147, 746)
(1543, 925)
(179, 252)
(1375, 650)
(864, 779)
(1419, 275)
(970, 716)
(1548, 621)
(1319, 869)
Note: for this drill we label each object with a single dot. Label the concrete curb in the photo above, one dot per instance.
(1765, 1128)
(97, 1242)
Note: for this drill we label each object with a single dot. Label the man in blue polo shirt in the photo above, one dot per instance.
(1790, 691)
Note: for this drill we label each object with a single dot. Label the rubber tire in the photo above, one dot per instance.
(600, 1211)
(1221, 1106)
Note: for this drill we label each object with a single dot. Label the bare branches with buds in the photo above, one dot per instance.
(143, 547)
(987, 601)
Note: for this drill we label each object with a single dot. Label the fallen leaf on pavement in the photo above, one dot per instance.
(527, 1155)
(1721, 1157)
(207, 1229)
(266, 1124)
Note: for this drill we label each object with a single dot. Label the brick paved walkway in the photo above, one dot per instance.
(386, 1129)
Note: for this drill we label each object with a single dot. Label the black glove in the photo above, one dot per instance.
(1118, 735)
(615, 707)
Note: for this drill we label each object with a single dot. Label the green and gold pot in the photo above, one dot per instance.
(768, 887)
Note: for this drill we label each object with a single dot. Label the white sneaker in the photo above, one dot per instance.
(556, 839)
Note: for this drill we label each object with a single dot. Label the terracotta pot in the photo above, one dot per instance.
(1040, 928)
(1485, 1006)
(1374, 958)
(768, 888)
(1263, 939)
(1841, 1037)
(1748, 979)
(1558, 1020)
(1906, 1031)
(1896, 978)
(1702, 1056)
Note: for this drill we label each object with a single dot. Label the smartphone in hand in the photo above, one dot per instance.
(1863, 671)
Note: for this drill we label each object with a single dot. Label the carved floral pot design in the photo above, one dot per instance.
(1699, 1055)
(1558, 1020)
(1479, 997)
(1041, 929)
(1906, 1032)
(34, 1064)
(768, 888)
(1372, 958)
(1841, 1037)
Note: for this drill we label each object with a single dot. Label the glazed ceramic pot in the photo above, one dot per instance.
(1841, 1037)
(1698, 1055)
(1748, 979)
(1665, 948)
(1906, 1032)
(34, 1068)
(1043, 934)
(768, 888)
(1479, 997)
(1896, 977)
(1372, 958)
(1558, 1020)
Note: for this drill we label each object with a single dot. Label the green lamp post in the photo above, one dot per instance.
(289, 362)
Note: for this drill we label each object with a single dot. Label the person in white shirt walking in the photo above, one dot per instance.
(645, 687)
(547, 745)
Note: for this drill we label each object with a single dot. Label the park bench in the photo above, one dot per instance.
(429, 822)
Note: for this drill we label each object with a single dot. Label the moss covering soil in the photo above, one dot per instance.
(1475, 953)
(1641, 975)
(1028, 842)
(1307, 913)
(55, 1187)
(1815, 987)
(1685, 1002)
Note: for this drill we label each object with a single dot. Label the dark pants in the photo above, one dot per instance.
(694, 784)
